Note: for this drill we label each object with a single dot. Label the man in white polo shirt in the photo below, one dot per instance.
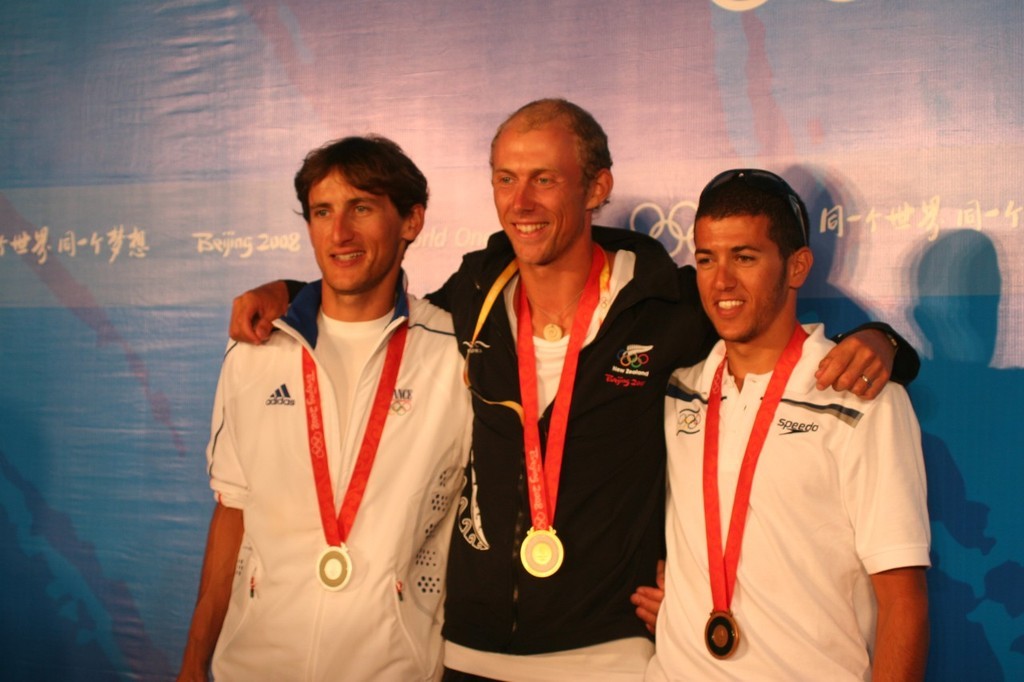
(797, 524)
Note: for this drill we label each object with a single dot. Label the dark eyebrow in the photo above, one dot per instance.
(735, 249)
(532, 173)
(367, 197)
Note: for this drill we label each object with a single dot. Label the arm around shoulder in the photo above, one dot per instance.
(253, 313)
(443, 297)
(906, 363)
(866, 358)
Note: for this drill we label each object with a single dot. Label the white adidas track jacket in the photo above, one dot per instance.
(385, 624)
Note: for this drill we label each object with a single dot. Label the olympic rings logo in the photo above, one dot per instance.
(401, 406)
(688, 421)
(634, 357)
(665, 224)
(745, 5)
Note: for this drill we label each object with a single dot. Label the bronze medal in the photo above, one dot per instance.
(721, 634)
(541, 553)
(334, 568)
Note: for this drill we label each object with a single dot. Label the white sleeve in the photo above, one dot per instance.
(227, 477)
(884, 485)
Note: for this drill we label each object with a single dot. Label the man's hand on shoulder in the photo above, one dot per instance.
(861, 363)
(253, 313)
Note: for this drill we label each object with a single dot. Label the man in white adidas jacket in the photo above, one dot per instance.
(336, 450)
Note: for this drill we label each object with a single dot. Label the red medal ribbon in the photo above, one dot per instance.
(542, 476)
(336, 530)
(723, 567)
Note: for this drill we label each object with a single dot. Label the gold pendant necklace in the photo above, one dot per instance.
(553, 331)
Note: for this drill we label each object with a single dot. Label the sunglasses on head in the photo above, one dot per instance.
(766, 182)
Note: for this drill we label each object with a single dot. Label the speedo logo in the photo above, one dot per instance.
(788, 426)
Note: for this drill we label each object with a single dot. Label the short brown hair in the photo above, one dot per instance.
(591, 141)
(373, 164)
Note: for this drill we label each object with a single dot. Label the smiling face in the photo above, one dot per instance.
(359, 239)
(746, 287)
(539, 193)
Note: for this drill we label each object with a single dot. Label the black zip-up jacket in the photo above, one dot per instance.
(611, 502)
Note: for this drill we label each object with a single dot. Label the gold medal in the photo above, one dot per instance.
(334, 568)
(722, 634)
(541, 552)
(552, 332)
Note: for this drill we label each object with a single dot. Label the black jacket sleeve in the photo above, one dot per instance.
(906, 364)
(294, 287)
(443, 298)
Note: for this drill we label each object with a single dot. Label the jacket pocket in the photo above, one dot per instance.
(418, 628)
(245, 595)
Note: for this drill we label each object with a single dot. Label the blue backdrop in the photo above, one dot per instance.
(146, 156)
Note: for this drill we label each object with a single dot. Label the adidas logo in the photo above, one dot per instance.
(280, 397)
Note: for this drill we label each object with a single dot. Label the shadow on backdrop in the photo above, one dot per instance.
(972, 452)
(957, 288)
